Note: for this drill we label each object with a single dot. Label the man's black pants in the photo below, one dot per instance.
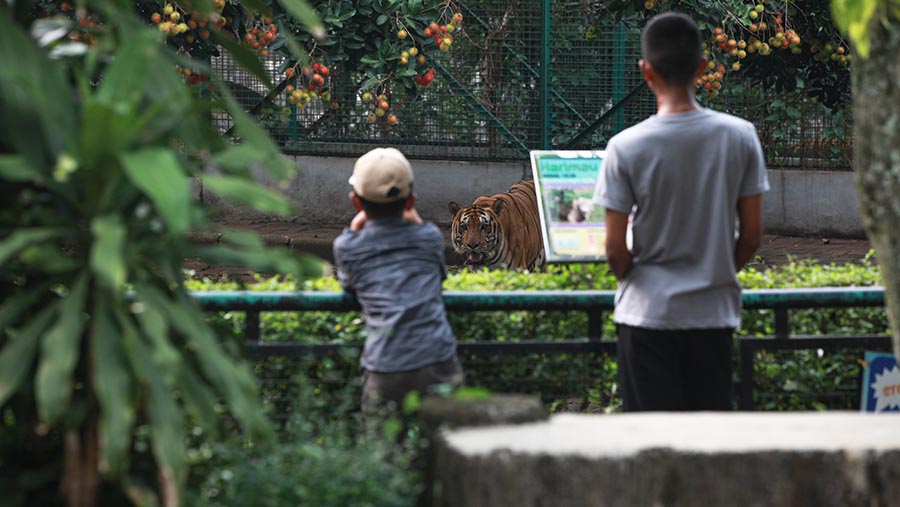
(675, 370)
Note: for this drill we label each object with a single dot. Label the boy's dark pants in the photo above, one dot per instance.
(674, 370)
(387, 390)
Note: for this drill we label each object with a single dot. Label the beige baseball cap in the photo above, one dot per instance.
(382, 175)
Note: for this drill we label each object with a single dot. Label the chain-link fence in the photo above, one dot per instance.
(523, 75)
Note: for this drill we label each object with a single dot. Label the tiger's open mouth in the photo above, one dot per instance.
(474, 259)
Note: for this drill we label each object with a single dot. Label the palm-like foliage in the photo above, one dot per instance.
(99, 148)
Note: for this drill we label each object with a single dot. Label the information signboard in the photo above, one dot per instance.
(880, 383)
(573, 228)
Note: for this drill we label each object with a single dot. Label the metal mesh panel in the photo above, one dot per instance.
(807, 380)
(564, 382)
(595, 88)
(493, 99)
(784, 379)
(795, 130)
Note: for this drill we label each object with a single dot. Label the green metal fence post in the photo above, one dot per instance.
(618, 76)
(546, 112)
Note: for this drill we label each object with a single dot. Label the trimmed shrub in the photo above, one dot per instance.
(786, 380)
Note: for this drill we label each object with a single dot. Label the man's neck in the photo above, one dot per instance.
(675, 100)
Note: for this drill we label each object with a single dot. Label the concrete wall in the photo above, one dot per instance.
(802, 203)
(812, 203)
(319, 191)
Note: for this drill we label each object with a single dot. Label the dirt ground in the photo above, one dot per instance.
(775, 250)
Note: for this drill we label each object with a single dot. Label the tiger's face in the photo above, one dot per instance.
(475, 234)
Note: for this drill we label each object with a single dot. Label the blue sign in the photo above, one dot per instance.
(880, 383)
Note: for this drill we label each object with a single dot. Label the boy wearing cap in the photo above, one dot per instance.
(687, 176)
(394, 263)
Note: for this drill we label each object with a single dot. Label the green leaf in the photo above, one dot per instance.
(16, 168)
(158, 174)
(301, 11)
(243, 239)
(60, 350)
(259, 6)
(293, 46)
(411, 402)
(274, 163)
(247, 192)
(391, 428)
(262, 259)
(48, 258)
(170, 110)
(370, 83)
(472, 393)
(199, 399)
(166, 428)
(17, 357)
(106, 130)
(37, 119)
(20, 238)
(243, 56)
(165, 356)
(232, 379)
(112, 382)
(382, 19)
(107, 257)
(238, 158)
(853, 18)
(125, 79)
(18, 303)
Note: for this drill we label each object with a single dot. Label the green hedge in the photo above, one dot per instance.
(785, 380)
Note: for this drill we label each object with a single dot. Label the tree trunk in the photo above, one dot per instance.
(876, 160)
(81, 479)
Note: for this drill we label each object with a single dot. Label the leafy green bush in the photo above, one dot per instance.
(328, 456)
(785, 380)
(102, 138)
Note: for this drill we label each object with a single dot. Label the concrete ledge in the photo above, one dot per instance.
(735, 460)
(498, 409)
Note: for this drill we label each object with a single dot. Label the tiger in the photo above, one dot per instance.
(501, 230)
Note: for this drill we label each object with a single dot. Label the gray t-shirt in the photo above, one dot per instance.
(680, 176)
(395, 268)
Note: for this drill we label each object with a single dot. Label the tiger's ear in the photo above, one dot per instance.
(453, 207)
(497, 206)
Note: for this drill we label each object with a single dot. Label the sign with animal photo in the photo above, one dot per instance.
(572, 227)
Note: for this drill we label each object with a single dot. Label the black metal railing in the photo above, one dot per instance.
(596, 304)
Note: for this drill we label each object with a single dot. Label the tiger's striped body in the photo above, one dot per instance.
(501, 230)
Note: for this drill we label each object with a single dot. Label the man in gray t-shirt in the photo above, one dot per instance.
(687, 177)
(394, 263)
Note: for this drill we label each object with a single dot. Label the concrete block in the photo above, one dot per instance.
(675, 460)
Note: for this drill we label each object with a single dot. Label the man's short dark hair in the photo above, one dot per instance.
(392, 209)
(671, 43)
